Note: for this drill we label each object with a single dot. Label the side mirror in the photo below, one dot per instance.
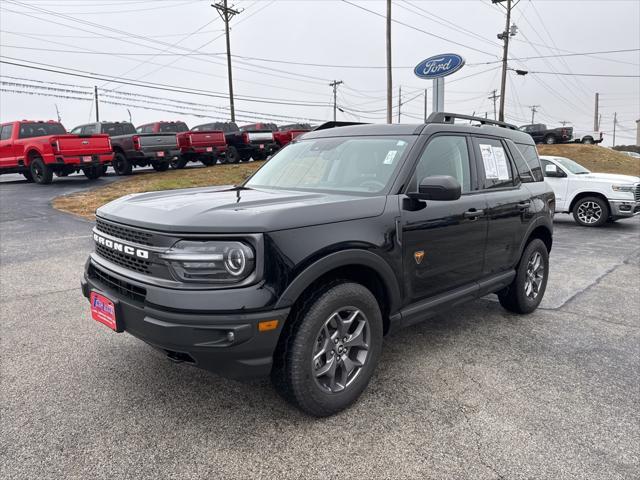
(437, 187)
(553, 171)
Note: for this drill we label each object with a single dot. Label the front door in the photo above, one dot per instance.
(557, 179)
(443, 242)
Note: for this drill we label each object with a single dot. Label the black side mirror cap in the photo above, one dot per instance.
(437, 187)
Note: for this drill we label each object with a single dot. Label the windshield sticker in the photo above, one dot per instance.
(388, 160)
(401, 143)
(501, 163)
(489, 160)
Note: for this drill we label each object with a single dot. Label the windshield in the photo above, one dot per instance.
(572, 166)
(40, 129)
(351, 164)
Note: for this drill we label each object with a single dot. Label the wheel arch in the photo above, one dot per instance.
(542, 229)
(30, 154)
(585, 194)
(360, 266)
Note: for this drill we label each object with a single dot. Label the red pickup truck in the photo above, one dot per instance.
(38, 149)
(203, 145)
(281, 135)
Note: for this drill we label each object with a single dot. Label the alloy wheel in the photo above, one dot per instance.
(589, 212)
(341, 349)
(534, 275)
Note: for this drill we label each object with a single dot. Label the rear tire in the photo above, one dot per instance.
(121, 165)
(328, 349)
(92, 173)
(160, 166)
(527, 290)
(27, 175)
(178, 163)
(232, 155)
(588, 141)
(40, 172)
(591, 212)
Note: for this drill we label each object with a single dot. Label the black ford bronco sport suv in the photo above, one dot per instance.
(343, 236)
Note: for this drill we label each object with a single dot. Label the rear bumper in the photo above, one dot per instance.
(152, 155)
(225, 343)
(211, 150)
(624, 208)
(81, 160)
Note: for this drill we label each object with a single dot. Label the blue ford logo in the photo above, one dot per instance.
(439, 66)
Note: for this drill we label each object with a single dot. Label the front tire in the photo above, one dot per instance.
(550, 140)
(588, 141)
(591, 212)
(27, 175)
(40, 172)
(329, 348)
(527, 290)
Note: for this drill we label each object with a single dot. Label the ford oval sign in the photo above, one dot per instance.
(439, 66)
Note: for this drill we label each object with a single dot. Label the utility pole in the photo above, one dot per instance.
(227, 13)
(399, 101)
(563, 122)
(615, 122)
(389, 79)
(494, 97)
(596, 121)
(335, 84)
(425, 107)
(638, 133)
(534, 110)
(504, 36)
(129, 112)
(95, 95)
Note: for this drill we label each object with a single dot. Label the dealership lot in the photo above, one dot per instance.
(474, 393)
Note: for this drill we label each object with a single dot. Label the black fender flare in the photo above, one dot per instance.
(335, 260)
(538, 222)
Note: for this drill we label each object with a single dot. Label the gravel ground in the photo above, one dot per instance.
(477, 393)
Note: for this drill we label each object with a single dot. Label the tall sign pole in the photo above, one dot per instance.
(425, 105)
(504, 36)
(436, 68)
(389, 79)
(227, 14)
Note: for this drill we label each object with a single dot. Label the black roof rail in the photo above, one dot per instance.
(444, 117)
(327, 125)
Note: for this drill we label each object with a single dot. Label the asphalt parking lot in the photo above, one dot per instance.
(477, 393)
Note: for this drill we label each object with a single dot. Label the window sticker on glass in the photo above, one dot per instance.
(401, 143)
(489, 160)
(388, 160)
(501, 163)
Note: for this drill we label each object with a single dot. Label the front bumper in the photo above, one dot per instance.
(624, 208)
(226, 342)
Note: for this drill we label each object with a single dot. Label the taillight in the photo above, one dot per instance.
(136, 142)
(55, 146)
(245, 137)
(109, 142)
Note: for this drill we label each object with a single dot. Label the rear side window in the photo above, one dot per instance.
(30, 130)
(173, 127)
(530, 155)
(89, 129)
(145, 129)
(495, 163)
(5, 134)
(525, 173)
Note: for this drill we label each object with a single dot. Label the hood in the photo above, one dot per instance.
(227, 210)
(611, 177)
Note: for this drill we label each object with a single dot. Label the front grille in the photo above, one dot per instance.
(124, 233)
(124, 260)
(119, 286)
(637, 192)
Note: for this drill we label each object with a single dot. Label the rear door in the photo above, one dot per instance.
(508, 204)
(443, 242)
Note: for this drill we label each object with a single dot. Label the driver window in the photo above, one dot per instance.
(444, 155)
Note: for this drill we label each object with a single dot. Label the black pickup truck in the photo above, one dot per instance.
(242, 145)
(345, 235)
(135, 149)
(541, 134)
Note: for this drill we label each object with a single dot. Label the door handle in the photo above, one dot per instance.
(473, 213)
(524, 205)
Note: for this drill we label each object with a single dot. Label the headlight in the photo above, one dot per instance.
(211, 261)
(622, 188)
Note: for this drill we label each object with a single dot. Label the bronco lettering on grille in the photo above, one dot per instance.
(121, 247)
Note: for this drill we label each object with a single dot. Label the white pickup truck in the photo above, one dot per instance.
(592, 198)
(588, 137)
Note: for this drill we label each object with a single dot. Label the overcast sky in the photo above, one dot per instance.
(156, 42)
